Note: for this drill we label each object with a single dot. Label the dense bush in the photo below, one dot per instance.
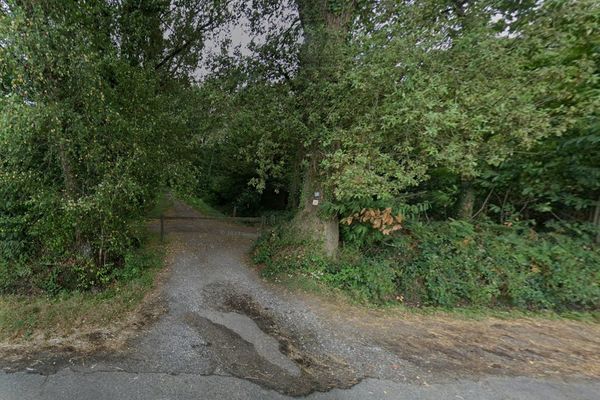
(452, 264)
(31, 276)
(281, 251)
(457, 263)
(90, 126)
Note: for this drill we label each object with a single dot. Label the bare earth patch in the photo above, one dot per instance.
(523, 346)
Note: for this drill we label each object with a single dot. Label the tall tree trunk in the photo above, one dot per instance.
(293, 201)
(596, 220)
(467, 200)
(325, 31)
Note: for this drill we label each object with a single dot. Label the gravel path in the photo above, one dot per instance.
(227, 334)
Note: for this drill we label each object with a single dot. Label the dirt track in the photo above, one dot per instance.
(215, 317)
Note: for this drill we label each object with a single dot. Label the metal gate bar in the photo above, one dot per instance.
(262, 221)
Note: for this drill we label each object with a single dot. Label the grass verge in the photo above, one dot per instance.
(26, 317)
(304, 283)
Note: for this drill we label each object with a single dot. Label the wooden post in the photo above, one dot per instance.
(262, 222)
(234, 211)
(162, 228)
(596, 220)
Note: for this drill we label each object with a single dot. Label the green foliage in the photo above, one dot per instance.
(280, 251)
(407, 95)
(459, 263)
(413, 98)
(139, 265)
(249, 161)
(455, 264)
(558, 178)
(34, 276)
(68, 312)
(91, 126)
(56, 118)
(365, 279)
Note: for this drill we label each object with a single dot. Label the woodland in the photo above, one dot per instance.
(431, 152)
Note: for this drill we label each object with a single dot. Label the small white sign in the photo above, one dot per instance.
(315, 202)
(317, 194)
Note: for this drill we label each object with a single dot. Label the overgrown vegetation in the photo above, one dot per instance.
(24, 317)
(450, 264)
(94, 121)
(476, 122)
(437, 152)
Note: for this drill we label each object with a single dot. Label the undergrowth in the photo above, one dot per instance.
(83, 269)
(449, 265)
(54, 315)
(199, 205)
(53, 300)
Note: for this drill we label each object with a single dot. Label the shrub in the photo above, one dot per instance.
(76, 273)
(281, 251)
(450, 264)
(456, 263)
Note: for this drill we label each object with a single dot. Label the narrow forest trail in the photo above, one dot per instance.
(227, 334)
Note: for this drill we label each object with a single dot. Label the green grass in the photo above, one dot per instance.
(22, 317)
(299, 281)
(200, 205)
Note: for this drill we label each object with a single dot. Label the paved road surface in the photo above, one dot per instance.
(67, 384)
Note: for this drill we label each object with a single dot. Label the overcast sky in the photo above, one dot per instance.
(241, 34)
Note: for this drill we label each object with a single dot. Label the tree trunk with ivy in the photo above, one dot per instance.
(596, 220)
(326, 24)
(466, 201)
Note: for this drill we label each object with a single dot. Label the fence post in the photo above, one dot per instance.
(262, 222)
(162, 227)
(234, 211)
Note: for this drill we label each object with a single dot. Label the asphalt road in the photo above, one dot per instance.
(68, 384)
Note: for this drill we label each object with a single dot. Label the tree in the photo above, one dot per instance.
(408, 94)
(557, 180)
(391, 93)
(86, 119)
(326, 26)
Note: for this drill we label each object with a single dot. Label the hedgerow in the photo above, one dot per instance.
(451, 264)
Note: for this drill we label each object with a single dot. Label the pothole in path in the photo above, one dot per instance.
(318, 372)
